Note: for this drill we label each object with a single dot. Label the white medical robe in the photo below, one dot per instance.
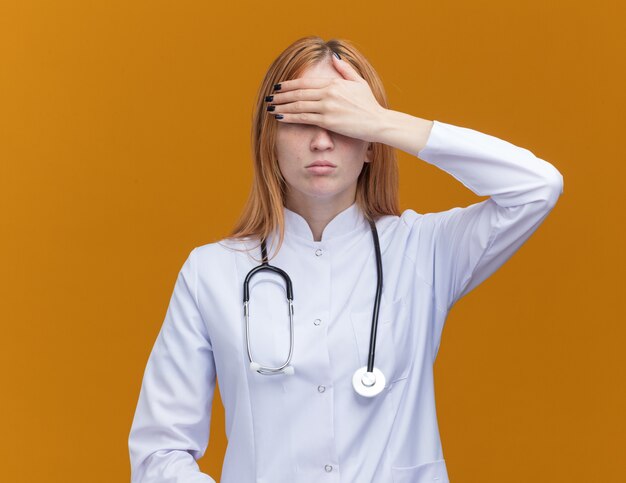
(312, 427)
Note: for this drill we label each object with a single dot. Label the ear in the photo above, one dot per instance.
(369, 154)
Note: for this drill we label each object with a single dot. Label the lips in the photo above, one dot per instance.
(322, 162)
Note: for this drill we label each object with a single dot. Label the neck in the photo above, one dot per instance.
(318, 212)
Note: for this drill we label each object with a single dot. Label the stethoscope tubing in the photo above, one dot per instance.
(265, 266)
(379, 290)
(368, 380)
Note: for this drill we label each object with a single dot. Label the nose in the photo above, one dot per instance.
(321, 139)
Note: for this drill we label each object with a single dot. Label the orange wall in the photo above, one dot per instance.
(124, 125)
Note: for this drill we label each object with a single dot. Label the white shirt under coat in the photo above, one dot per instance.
(312, 427)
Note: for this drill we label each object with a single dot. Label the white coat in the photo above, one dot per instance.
(312, 427)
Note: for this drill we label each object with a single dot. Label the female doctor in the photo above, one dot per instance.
(322, 313)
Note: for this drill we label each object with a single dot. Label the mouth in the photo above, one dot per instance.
(320, 169)
(321, 163)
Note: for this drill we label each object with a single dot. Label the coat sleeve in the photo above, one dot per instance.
(467, 245)
(170, 429)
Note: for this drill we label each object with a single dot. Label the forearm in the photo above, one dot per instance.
(403, 131)
(490, 166)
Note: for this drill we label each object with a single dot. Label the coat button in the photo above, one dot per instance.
(321, 388)
(328, 468)
(318, 252)
(317, 321)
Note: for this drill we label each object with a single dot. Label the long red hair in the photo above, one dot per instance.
(377, 185)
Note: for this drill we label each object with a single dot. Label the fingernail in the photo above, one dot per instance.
(269, 98)
(278, 116)
(271, 108)
(276, 87)
(336, 55)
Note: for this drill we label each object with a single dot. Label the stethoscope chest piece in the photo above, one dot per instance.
(368, 384)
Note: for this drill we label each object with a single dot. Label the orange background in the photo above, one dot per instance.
(124, 125)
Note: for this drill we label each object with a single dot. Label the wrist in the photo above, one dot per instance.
(403, 131)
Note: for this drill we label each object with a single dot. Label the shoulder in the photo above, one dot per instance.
(222, 252)
(426, 223)
(412, 233)
(405, 222)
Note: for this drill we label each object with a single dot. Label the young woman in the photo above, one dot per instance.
(325, 354)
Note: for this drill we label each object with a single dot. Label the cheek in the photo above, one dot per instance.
(290, 158)
(355, 155)
(283, 157)
(286, 150)
(357, 169)
(288, 166)
(354, 148)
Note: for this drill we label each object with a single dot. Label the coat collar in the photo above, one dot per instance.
(345, 222)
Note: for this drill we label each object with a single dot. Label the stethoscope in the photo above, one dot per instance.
(368, 380)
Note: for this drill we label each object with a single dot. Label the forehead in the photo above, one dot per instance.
(323, 68)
